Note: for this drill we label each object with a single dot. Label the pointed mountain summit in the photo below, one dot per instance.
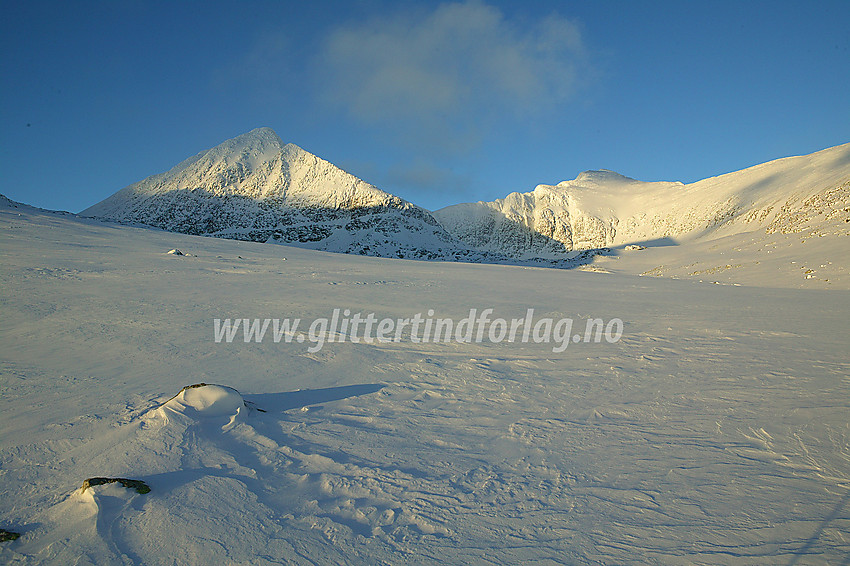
(255, 187)
(257, 166)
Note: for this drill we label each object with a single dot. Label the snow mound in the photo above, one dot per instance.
(206, 400)
(204, 403)
(175, 251)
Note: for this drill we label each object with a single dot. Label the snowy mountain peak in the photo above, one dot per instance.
(263, 132)
(258, 136)
(250, 149)
(602, 176)
(255, 187)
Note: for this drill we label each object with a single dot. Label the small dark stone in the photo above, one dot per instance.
(138, 485)
(8, 535)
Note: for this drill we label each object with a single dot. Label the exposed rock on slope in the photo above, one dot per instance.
(549, 221)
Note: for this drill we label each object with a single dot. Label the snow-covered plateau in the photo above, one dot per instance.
(714, 428)
(714, 431)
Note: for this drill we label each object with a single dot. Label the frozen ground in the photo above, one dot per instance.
(714, 432)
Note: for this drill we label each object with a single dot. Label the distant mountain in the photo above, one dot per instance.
(6, 202)
(550, 221)
(600, 209)
(255, 187)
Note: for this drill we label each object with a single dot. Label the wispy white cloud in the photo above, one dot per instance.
(431, 83)
(451, 69)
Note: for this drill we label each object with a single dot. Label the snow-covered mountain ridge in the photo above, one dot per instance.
(602, 208)
(255, 187)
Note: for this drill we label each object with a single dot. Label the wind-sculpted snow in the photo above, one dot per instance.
(714, 432)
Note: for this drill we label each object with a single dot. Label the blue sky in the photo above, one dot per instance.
(438, 103)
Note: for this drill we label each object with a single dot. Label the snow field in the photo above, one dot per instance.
(714, 432)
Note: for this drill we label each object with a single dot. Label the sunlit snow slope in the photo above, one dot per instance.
(714, 432)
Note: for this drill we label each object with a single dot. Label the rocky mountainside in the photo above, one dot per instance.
(255, 187)
(550, 221)
(600, 209)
